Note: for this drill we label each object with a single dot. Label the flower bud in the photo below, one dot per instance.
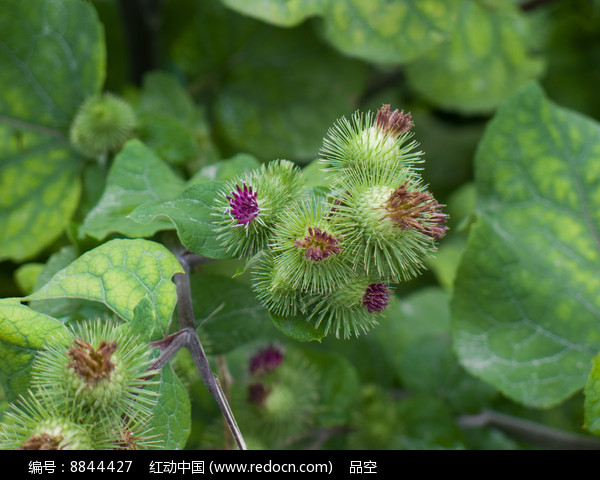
(309, 250)
(390, 224)
(103, 370)
(102, 124)
(248, 207)
(370, 143)
(351, 309)
(31, 425)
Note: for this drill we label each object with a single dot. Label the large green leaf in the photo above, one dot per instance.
(526, 309)
(119, 273)
(378, 30)
(39, 190)
(51, 58)
(384, 31)
(280, 100)
(170, 123)
(137, 176)
(283, 14)
(485, 60)
(275, 91)
(23, 332)
(191, 214)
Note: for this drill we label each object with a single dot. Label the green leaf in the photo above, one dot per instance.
(254, 75)
(485, 60)
(39, 191)
(171, 416)
(377, 31)
(282, 14)
(119, 274)
(137, 176)
(592, 398)
(570, 45)
(26, 276)
(23, 332)
(227, 169)
(191, 215)
(298, 328)
(162, 93)
(169, 122)
(227, 312)
(526, 309)
(258, 108)
(144, 322)
(60, 309)
(39, 184)
(38, 40)
(384, 31)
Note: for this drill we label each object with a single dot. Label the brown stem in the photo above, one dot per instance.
(188, 337)
(530, 432)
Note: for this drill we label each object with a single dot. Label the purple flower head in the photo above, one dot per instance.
(376, 297)
(318, 244)
(414, 209)
(243, 205)
(266, 360)
(394, 123)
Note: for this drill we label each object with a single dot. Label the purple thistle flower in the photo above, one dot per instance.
(376, 297)
(244, 205)
(266, 360)
(319, 244)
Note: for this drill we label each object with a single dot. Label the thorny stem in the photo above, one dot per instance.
(530, 432)
(188, 337)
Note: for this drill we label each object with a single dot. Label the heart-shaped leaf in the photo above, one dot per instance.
(526, 305)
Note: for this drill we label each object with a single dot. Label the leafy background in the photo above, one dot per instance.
(505, 324)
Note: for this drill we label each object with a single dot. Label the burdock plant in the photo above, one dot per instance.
(333, 259)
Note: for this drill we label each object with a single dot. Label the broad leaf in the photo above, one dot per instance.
(39, 184)
(39, 190)
(226, 169)
(298, 328)
(384, 31)
(119, 274)
(282, 14)
(526, 309)
(258, 107)
(171, 416)
(275, 91)
(23, 332)
(485, 60)
(191, 215)
(137, 176)
(377, 31)
(170, 123)
(40, 39)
